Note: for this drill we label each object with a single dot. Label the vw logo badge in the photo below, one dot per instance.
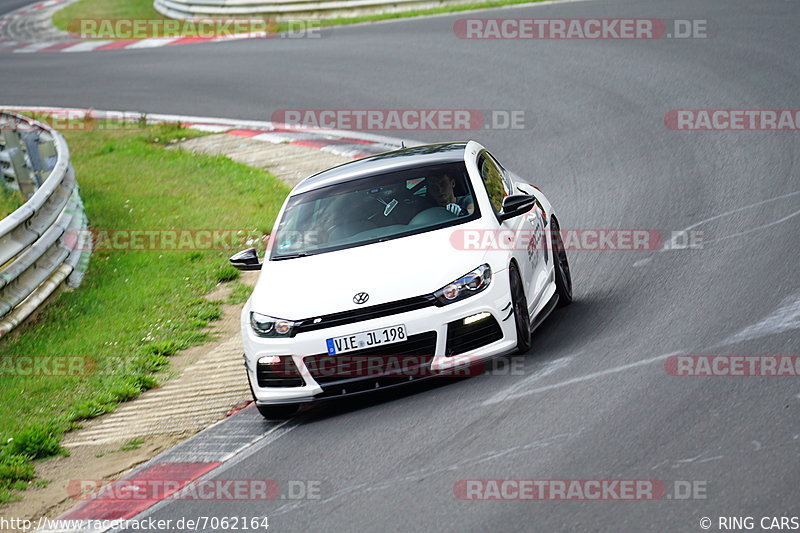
(360, 298)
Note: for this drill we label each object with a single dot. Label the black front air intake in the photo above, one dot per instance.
(463, 338)
(281, 374)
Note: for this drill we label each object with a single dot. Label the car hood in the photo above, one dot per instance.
(305, 287)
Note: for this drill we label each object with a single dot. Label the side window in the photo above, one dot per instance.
(492, 180)
(508, 185)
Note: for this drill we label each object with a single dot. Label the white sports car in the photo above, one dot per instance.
(410, 264)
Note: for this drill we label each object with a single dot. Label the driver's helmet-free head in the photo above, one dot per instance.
(441, 188)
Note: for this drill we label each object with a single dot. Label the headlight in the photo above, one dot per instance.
(465, 286)
(267, 326)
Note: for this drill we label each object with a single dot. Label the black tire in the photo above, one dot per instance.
(561, 265)
(519, 304)
(278, 412)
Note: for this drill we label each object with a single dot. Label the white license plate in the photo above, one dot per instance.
(366, 339)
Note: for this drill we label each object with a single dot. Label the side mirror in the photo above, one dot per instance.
(516, 205)
(246, 260)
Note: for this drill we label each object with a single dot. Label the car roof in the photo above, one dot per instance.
(416, 156)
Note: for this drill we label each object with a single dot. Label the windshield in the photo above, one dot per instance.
(378, 208)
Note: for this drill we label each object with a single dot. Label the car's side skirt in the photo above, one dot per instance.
(545, 312)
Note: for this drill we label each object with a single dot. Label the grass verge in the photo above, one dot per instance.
(143, 9)
(134, 308)
(103, 9)
(10, 200)
(239, 293)
(424, 12)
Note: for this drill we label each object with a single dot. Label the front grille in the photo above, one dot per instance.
(463, 338)
(283, 374)
(364, 313)
(403, 360)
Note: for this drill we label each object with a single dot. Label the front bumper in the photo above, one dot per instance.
(306, 353)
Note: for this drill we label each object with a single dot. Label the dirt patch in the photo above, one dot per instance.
(104, 462)
(203, 384)
(286, 162)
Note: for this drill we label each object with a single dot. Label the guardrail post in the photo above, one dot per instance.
(47, 151)
(31, 140)
(19, 166)
(38, 251)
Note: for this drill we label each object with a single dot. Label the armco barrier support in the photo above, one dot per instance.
(282, 10)
(35, 257)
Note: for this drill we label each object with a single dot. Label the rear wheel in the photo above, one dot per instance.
(519, 303)
(561, 265)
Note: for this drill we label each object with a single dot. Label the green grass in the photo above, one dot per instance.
(134, 308)
(143, 9)
(226, 273)
(240, 293)
(115, 9)
(108, 9)
(10, 200)
(16, 471)
(424, 12)
(134, 444)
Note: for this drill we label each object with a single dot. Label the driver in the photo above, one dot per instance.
(441, 189)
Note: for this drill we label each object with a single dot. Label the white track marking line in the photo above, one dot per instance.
(231, 123)
(415, 476)
(230, 459)
(210, 128)
(152, 42)
(35, 47)
(757, 228)
(256, 444)
(85, 46)
(594, 375)
(672, 244)
(743, 208)
(785, 318)
(521, 385)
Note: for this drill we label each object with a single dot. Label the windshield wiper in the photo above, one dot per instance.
(291, 256)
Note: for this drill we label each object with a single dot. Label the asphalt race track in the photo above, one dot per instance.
(594, 400)
(11, 5)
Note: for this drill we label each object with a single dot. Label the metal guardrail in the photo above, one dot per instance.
(293, 9)
(35, 255)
